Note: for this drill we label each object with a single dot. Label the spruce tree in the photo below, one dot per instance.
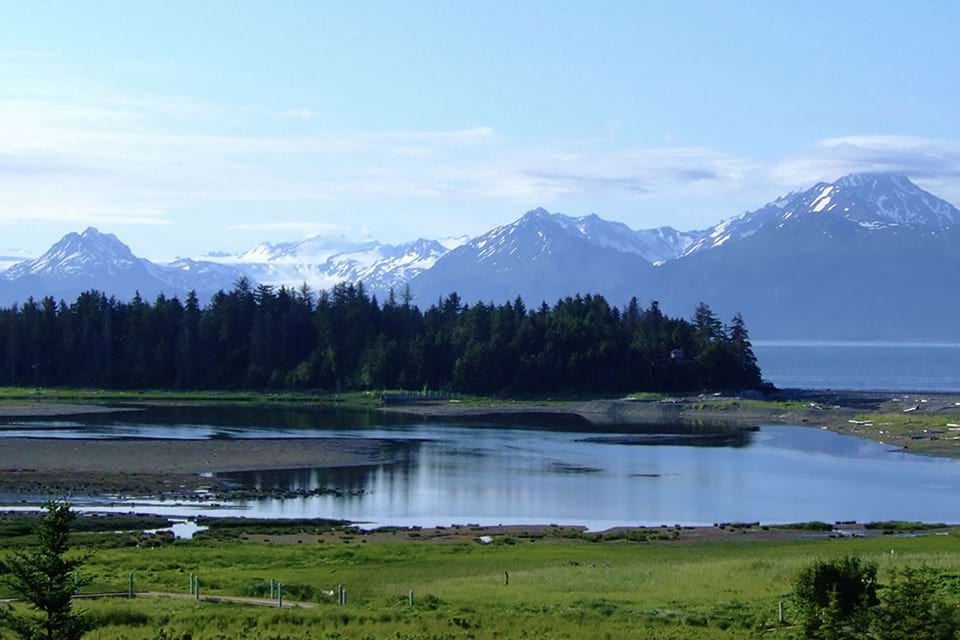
(743, 356)
(45, 577)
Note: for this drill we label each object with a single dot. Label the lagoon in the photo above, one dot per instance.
(550, 470)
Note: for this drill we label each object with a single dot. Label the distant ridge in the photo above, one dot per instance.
(95, 260)
(867, 257)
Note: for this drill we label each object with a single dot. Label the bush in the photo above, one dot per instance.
(912, 609)
(835, 598)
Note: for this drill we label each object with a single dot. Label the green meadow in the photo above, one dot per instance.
(558, 588)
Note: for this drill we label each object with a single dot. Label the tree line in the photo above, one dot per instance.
(261, 337)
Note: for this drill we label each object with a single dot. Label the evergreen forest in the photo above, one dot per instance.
(258, 337)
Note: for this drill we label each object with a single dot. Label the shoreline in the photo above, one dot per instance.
(173, 469)
(179, 469)
(913, 422)
(319, 530)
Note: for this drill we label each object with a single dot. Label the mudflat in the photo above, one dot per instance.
(55, 409)
(188, 456)
(170, 469)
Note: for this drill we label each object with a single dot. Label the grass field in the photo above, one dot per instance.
(556, 589)
(929, 434)
(357, 399)
(344, 400)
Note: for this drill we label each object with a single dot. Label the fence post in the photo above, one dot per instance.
(340, 595)
(271, 589)
(196, 590)
(280, 595)
(411, 598)
(130, 586)
(780, 612)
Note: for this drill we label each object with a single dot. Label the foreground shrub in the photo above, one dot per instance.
(912, 609)
(835, 598)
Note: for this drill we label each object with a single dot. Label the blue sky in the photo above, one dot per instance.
(186, 127)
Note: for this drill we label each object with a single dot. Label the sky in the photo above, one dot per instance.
(188, 127)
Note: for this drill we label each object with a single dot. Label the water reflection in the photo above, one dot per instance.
(492, 476)
(492, 472)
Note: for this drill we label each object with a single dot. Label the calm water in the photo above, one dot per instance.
(446, 473)
(861, 366)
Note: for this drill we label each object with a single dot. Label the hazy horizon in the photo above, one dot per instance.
(186, 129)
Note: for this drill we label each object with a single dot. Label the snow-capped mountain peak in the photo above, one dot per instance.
(895, 199)
(324, 261)
(94, 260)
(871, 200)
(541, 228)
(76, 253)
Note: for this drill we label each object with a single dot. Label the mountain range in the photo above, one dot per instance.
(94, 260)
(324, 261)
(868, 257)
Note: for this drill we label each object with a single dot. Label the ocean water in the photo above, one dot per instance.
(861, 366)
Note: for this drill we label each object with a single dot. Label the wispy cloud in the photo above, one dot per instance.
(933, 163)
(914, 156)
(129, 151)
(72, 153)
(639, 171)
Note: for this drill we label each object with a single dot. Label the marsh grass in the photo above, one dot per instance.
(569, 589)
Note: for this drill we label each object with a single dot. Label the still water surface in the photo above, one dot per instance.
(861, 366)
(563, 472)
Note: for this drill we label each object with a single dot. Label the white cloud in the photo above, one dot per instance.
(934, 163)
(914, 156)
(71, 153)
(140, 152)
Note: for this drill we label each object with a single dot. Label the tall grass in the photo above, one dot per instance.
(556, 589)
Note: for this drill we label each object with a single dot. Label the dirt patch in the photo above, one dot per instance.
(166, 468)
(55, 409)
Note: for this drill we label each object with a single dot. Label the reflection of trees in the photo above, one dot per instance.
(733, 438)
(693, 433)
(349, 480)
(300, 418)
(688, 434)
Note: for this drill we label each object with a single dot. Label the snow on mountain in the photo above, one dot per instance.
(655, 245)
(90, 253)
(10, 257)
(872, 200)
(452, 242)
(185, 274)
(324, 261)
(868, 257)
(541, 256)
(403, 263)
(539, 228)
(544, 255)
(315, 250)
(94, 260)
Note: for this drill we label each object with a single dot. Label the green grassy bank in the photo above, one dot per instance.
(557, 589)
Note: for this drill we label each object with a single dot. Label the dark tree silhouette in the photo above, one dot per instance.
(261, 337)
(45, 577)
